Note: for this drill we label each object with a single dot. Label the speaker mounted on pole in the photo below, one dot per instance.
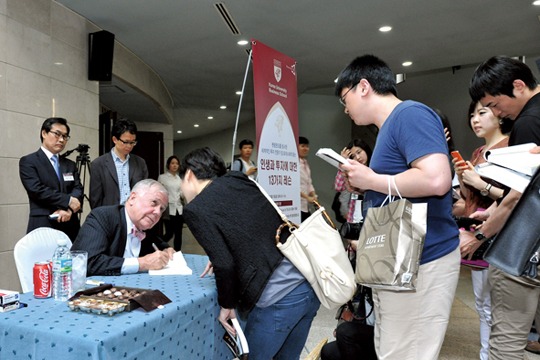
(100, 55)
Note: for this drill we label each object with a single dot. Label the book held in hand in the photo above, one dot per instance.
(237, 343)
(331, 157)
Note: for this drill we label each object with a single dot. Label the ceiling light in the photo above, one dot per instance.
(385, 28)
(536, 2)
(407, 63)
(222, 107)
(210, 117)
(58, 63)
(238, 93)
(243, 42)
(179, 132)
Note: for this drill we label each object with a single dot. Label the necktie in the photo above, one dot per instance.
(54, 159)
(138, 233)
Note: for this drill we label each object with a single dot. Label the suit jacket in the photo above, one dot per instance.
(46, 193)
(104, 236)
(104, 188)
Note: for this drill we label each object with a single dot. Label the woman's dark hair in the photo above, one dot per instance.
(245, 142)
(205, 164)
(371, 68)
(446, 124)
(363, 145)
(48, 123)
(496, 76)
(170, 159)
(302, 140)
(505, 124)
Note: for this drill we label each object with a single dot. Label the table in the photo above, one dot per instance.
(187, 328)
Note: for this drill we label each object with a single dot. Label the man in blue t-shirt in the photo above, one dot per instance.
(411, 147)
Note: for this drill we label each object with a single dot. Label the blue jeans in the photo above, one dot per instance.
(279, 331)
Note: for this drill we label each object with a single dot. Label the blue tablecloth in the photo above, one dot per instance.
(187, 328)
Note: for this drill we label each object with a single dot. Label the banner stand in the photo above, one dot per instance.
(239, 108)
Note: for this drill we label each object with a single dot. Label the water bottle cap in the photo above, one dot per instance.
(61, 242)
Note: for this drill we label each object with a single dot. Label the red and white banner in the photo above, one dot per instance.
(276, 116)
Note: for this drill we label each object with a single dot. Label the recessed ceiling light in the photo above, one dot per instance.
(238, 93)
(242, 42)
(210, 117)
(222, 107)
(179, 132)
(536, 3)
(385, 28)
(407, 63)
(196, 125)
(58, 63)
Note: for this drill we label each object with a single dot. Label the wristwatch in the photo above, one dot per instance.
(485, 191)
(479, 236)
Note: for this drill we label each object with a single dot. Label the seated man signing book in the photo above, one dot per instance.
(114, 235)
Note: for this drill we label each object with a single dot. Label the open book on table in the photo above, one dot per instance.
(330, 156)
(237, 344)
(176, 266)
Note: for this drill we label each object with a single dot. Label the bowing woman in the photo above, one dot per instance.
(236, 225)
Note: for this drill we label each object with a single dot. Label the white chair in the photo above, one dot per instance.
(37, 245)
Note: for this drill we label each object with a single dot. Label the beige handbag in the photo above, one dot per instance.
(316, 249)
(391, 243)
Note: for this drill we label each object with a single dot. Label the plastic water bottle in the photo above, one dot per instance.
(62, 265)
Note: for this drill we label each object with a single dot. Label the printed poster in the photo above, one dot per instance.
(276, 117)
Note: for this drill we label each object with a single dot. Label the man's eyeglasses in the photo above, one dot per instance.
(129, 143)
(342, 99)
(59, 135)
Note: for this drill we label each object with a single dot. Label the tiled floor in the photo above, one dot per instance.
(462, 337)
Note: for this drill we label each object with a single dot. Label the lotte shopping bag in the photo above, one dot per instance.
(391, 243)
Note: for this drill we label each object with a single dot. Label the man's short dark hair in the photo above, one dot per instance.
(303, 140)
(496, 76)
(371, 68)
(205, 163)
(48, 123)
(245, 142)
(123, 125)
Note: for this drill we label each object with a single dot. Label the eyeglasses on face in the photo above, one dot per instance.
(128, 143)
(342, 99)
(59, 135)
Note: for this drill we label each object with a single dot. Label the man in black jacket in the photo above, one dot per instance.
(113, 235)
(51, 182)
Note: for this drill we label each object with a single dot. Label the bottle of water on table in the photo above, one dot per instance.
(62, 263)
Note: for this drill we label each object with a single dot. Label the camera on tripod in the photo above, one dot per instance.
(82, 148)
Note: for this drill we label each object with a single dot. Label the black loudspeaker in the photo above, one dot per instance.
(100, 55)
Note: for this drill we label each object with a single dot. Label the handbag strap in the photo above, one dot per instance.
(391, 181)
(286, 221)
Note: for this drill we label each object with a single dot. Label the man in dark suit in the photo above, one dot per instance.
(52, 183)
(113, 235)
(114, 173)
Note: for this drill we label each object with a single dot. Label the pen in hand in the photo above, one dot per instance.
(155, 247)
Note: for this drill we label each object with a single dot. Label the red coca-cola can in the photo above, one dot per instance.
(42, 280)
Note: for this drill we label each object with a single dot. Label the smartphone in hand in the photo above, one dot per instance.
(456, 155)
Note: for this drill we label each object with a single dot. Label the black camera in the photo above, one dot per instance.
(82, 148)
(350, 231)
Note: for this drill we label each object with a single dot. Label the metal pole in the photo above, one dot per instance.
(239, 107)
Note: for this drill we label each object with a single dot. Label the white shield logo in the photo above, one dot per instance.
(277, 73)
